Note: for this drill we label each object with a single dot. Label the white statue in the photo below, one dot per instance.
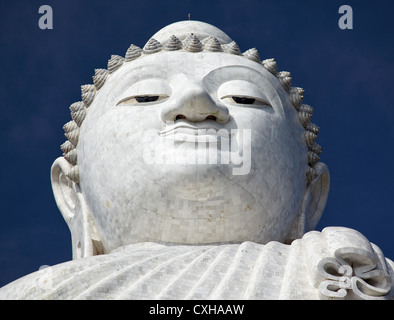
(191, 171)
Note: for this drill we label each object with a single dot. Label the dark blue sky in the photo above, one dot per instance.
(347, 76)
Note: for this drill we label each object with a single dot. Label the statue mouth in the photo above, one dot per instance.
(203, 131)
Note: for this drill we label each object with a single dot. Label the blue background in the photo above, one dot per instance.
(347, 76)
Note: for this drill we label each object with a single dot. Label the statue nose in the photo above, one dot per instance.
(194, 103)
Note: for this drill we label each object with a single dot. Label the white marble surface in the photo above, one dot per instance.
(188, 170)
(338, 263)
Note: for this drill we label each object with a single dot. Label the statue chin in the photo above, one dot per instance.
(196, 183)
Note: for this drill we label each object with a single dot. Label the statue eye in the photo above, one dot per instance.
(241, 93)
(246, 100)
(141, 99)
(243, 100)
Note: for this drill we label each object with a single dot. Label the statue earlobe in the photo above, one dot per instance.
(313, 203)
(75, 211)
(318, 194)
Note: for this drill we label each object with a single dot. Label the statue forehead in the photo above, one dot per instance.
(202, 65)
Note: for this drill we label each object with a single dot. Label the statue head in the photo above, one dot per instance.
(189, 141)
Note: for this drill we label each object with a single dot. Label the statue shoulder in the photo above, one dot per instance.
(336, 263)
(40, 284)
(69, 279)
(343, 264)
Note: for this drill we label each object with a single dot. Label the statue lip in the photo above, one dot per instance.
(201, 129)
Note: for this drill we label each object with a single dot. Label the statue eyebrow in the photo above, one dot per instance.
(150, 71)
(224, 74)
(241, 71)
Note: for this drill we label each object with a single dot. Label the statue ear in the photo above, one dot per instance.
(313, 203)
(71, 203)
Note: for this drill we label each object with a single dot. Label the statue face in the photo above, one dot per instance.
(192, 148)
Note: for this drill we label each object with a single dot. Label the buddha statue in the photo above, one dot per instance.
(191, 171)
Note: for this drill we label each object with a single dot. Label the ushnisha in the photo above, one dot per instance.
(188, 228)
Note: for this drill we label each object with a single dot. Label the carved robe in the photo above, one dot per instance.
(337, 263)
